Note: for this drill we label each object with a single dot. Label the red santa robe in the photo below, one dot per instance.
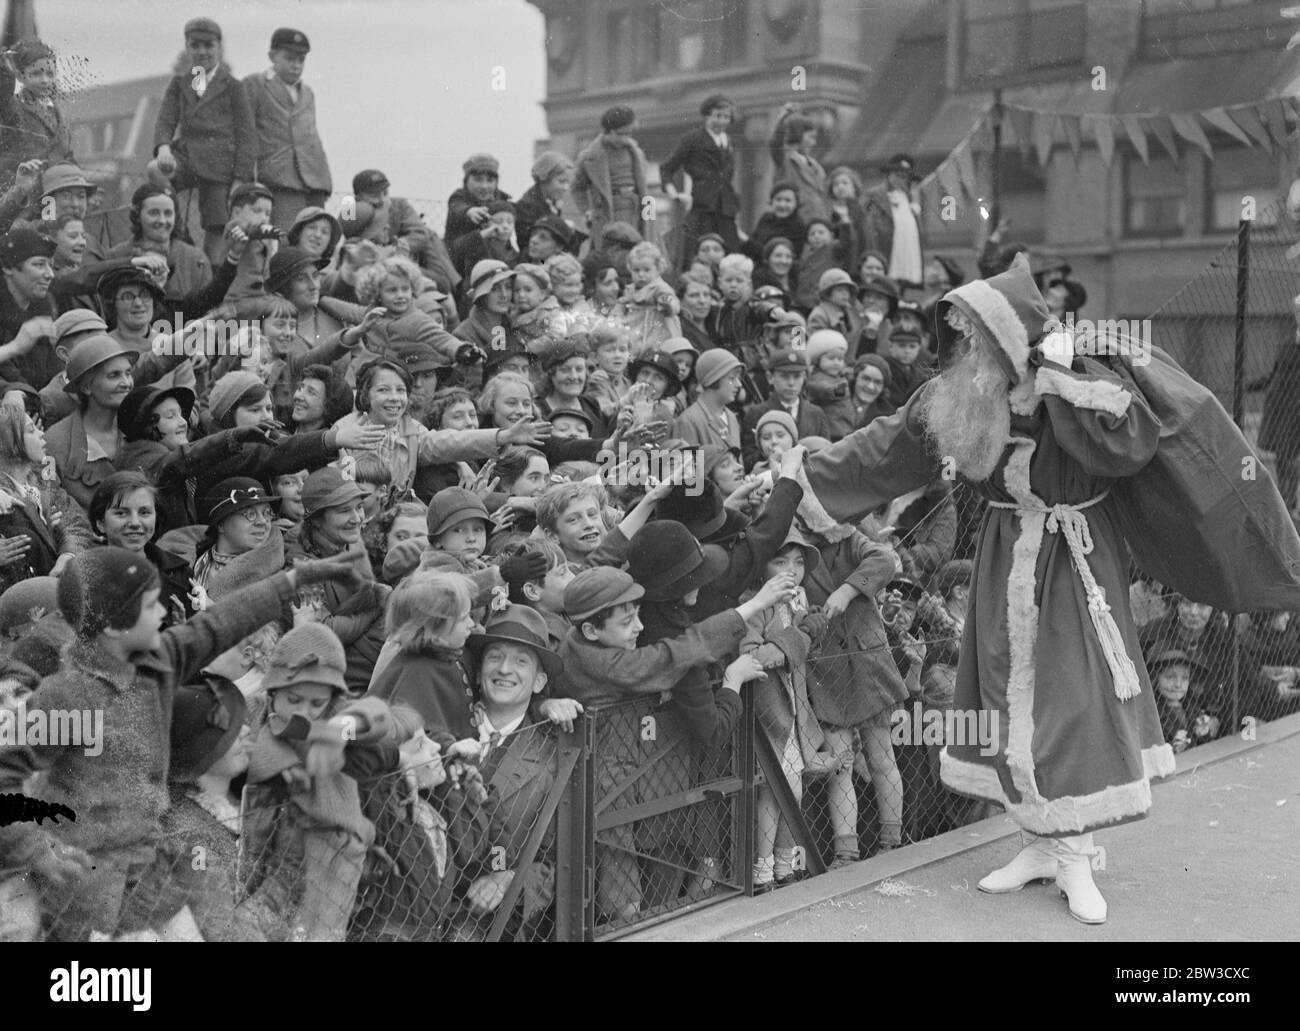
(1049, 645)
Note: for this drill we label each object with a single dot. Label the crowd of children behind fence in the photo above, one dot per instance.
(339, 751)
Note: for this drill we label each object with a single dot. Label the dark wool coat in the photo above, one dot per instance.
(712, 172)
(215, 133)
(290, 154)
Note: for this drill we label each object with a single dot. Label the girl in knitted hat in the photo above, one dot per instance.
(305, 836)
(776, 434)
(652, 307)
(828, 385)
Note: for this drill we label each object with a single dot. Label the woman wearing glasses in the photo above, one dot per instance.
(242, 541)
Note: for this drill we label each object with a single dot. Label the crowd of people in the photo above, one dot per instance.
(333, 577)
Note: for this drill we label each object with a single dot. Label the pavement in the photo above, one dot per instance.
(1214, 861)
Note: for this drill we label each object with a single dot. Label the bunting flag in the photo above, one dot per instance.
(1263, 123)
(1044, 127)
(1137, 136)
(1218, 118)
(1189, 129)
(1103, 131)
(1022, 122)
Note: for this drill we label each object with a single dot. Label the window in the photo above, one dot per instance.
(1154, 198)
(690, 23)
(1002, 40)
(1186, 28)
(617, 45)
(1233, 175)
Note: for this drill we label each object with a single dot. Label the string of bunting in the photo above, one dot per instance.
(1261, 123)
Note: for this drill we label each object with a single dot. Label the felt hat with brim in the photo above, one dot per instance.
(713, 454)
(832, 278)
(235, 495)
(113, 280)
(77, 320)
(134, 414)
(452, 506)
(416, 357)
(661, 360)
(206, 720)
(518, 624)
(704, 515)
(600, 588)
(556, 226)
(669, 563)
(306, 217)
(811, 556)
(327, 487)
(63, 177)
(678, 345)
(714, 364)
(485, 275)
(17, 603)
(90, 353)
(286, 263)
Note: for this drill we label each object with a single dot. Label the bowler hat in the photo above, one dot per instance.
(519, 624)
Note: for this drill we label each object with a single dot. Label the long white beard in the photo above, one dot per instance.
(968, 415)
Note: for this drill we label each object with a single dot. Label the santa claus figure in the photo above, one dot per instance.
(1050, 653)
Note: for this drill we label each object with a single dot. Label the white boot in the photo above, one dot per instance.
(1035, 862)
(1074, 878)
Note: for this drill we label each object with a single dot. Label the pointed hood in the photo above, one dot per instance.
(1007, 307)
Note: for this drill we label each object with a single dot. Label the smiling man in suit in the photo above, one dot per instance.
(708, 156)
(290, 156)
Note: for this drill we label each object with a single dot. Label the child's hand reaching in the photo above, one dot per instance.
(741, 671)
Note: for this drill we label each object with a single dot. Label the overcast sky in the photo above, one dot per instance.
(401, 85)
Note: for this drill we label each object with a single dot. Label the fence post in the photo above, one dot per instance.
(747, 771)
(575, 854)
(1239, 351)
